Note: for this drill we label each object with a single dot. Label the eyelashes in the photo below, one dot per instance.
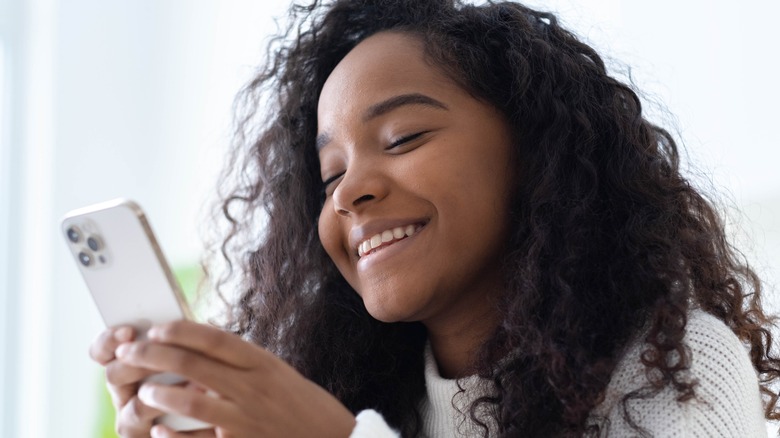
(406, 139)
(327, 182)
(396, 143)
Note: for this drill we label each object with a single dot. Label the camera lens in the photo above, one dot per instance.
(73, 234)
(85, 258)
(93, 243)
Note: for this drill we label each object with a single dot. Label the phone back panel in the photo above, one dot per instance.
(123, 265)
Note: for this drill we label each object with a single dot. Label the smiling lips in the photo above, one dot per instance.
(386, 238)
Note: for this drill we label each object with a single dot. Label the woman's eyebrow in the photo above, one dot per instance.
(385, 107)
(394, 102)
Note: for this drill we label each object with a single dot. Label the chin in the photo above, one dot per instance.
(389, 310)
(383, 314)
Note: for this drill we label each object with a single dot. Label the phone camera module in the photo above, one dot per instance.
(73, 234)
(93, 243)
(85, 258)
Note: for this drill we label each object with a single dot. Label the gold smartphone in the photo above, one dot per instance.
(127, 275)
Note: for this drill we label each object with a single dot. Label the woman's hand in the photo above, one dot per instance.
(257, 394)
(134, 418)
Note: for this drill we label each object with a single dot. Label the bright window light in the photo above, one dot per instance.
(4, 188)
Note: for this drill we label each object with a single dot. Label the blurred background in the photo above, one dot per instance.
(133, 99)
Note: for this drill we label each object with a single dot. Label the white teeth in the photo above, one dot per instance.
(384, 237)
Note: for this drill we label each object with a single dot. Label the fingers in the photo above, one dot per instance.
(190, 403)
(102, 349)
(123, 381)
(214, 375)
(135, 418)
(120, 395)
(210, 341)
(121, 374)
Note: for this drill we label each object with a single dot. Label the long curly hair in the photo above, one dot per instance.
(603, 223)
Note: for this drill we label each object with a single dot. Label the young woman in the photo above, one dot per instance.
(469, 230)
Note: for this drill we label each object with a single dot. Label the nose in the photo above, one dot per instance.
(361, 186)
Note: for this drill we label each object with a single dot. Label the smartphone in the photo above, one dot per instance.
(128, 276)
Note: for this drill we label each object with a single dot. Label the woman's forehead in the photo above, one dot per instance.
(380, 67)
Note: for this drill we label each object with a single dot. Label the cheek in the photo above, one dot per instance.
(332, 240)
(326, 230)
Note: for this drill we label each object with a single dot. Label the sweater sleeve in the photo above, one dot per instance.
(370, 424)
(727, 399)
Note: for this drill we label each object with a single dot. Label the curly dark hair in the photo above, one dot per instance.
(603, 223)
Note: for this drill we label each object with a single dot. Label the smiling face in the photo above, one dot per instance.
(418, 184)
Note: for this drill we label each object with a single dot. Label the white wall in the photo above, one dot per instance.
(132, 98)
(713, 66)
(5, 341)
(123, 98)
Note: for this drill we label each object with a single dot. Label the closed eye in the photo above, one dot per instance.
(327, 182)
(406, 139)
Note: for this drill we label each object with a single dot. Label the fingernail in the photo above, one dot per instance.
(153, 332)
(122, 350)
(145, 394)
(157, 432)
(123, 334)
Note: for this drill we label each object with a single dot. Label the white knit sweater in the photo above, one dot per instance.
(727, 404)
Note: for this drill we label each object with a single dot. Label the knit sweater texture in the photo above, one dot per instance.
(727, 403)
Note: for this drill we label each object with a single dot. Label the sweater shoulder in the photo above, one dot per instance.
(727, 399)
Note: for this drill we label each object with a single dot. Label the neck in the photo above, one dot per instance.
(456, 340)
